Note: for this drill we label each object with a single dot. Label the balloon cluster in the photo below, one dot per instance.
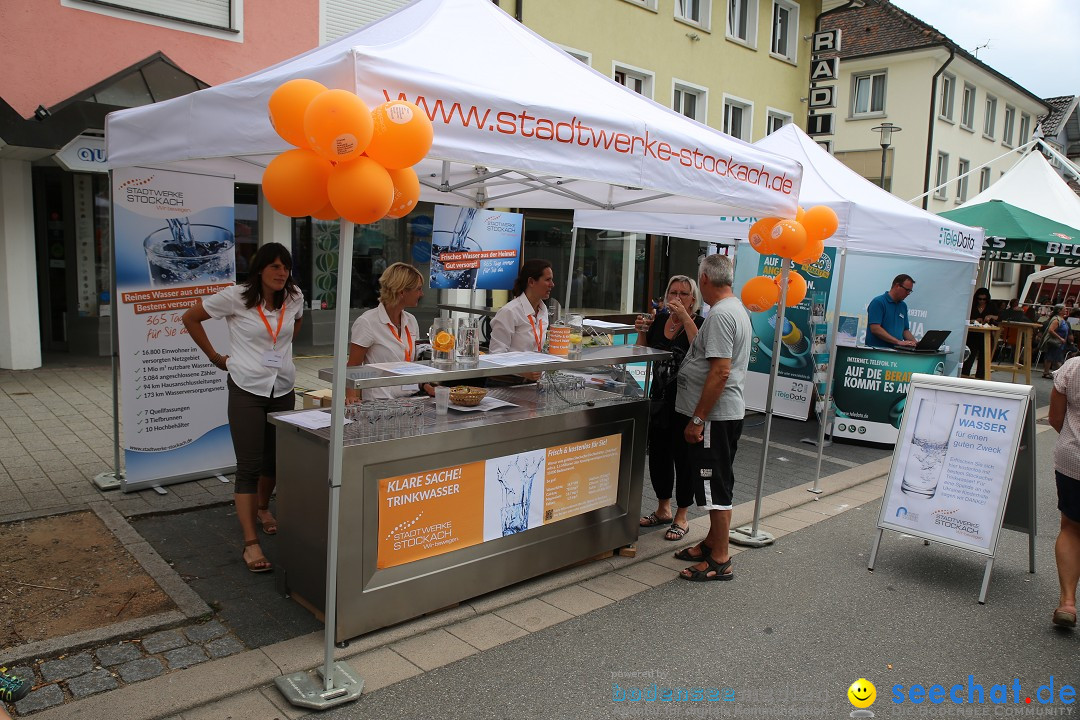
(801, 240)
(350, 162)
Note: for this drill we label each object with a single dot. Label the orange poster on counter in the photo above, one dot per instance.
(430, 513)
(581, 476)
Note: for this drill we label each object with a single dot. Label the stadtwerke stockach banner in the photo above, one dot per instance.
(174, 244)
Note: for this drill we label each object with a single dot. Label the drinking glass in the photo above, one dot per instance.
(930, 443)
(468, 342)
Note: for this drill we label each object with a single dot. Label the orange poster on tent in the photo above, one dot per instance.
(581, 476)
(430, 513)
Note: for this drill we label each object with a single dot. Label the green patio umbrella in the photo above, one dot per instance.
(1016, 235)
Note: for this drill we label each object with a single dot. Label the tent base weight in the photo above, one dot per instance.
(743, 536)
(306, 689)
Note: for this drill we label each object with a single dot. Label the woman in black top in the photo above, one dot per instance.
(673, 327)
(983, 312)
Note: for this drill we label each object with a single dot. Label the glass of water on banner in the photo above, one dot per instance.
(929, 444)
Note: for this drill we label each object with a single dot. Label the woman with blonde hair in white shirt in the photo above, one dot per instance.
(263, 315)
(388, 332)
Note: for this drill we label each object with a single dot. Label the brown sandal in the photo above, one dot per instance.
(256, 566)
(270, 526)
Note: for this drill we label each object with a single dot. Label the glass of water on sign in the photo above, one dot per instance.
(929, 445)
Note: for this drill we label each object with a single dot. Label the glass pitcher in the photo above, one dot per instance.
(576, 323)
(468, 342)
(443, 343)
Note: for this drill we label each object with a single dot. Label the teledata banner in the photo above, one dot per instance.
(953, 465)
(801, 351)
(473, 249)
(174, 244)
(870, 390)
(434, 512)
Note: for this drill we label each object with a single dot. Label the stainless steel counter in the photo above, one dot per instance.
(588, 502)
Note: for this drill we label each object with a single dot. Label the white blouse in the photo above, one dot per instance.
(1067, 448)
(511, 330)
(374, 331)
(250, 340)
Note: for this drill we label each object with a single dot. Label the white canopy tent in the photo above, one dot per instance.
(1032, 185)
(518, 123)
(871, 220)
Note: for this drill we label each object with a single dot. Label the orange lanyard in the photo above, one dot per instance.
(538, 334)
(280, 320)
(409, 348)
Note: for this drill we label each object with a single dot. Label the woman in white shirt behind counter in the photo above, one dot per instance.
(387, 333)
(263, 315)
(522, 323)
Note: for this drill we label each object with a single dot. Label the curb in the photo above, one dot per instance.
(210, 682)
(189, 605)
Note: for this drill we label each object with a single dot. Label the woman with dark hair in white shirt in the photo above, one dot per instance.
(263, 315)
(522, 323)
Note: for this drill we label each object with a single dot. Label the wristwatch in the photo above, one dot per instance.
(698, 422)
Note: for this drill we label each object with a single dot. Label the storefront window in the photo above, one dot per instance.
(375, 246)
(246, 227)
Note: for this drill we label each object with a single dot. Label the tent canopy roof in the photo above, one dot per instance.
(518, 122)
(1032, 185)
(870, 219)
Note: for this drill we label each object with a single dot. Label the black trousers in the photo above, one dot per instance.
(254, 439)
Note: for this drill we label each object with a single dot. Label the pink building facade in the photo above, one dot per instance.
(68, 63)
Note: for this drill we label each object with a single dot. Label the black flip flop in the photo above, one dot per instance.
(685, 555)
(652, 520)
(712, 567)
(677, 530)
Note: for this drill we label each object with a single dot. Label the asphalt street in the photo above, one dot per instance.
(802, 620)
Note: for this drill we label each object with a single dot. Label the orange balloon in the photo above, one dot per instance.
(287, 105)
(811, 252)
(361, 191)
(294, 183)
(337, 125)
(406, 192)
(759, 236)
(799, 214)
(788, 238)
(796, 288)
(820, 222)
(402, 135)
(760, 293)
(327, 213)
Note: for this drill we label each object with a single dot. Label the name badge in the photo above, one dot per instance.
(273, 358)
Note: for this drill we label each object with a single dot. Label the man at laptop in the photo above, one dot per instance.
(887, 316)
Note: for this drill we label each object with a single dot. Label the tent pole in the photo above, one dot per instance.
(340, 683)
(752, 536)
(113, 480)
(827, 399)
(570, 268)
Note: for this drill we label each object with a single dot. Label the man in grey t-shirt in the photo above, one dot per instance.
(710, 406)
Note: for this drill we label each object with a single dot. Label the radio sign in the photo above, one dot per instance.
(823, 96)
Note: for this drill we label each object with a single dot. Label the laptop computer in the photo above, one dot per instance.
(930, 342)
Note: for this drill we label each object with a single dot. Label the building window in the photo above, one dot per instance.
(962, 169)
(945, 102)
(690, 101)
(942, 175)
(220, 15)
(1002, 273)
(1007, 125)
(984, 179)
(696, 12)
(1025, 128)
(637, 80)
(648, 4)
(738, 116)
(869, 93)
(785, 29)
(967, 112)
(990, 120)
(581, 55)
(742, 21)
(776, 119)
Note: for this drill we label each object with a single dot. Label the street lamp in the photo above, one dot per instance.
(886, 129)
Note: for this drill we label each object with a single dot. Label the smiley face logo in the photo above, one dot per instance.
(862, 693)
